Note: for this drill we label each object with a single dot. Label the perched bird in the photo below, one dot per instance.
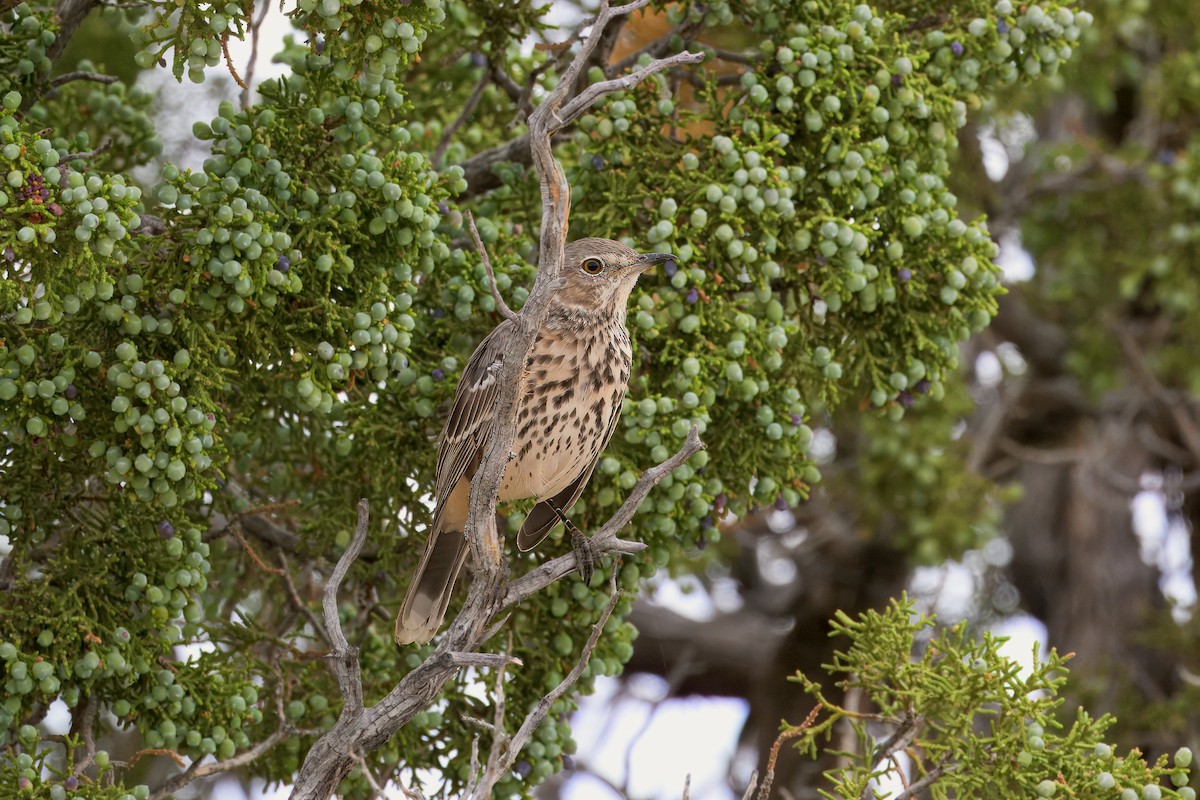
(567, 408)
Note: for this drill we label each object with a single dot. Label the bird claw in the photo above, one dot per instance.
(586, 554)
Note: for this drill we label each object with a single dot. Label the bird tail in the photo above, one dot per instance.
(429, 593)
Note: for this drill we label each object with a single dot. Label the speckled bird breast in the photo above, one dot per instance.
(571, 392)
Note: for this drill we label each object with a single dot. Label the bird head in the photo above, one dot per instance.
(600, 273)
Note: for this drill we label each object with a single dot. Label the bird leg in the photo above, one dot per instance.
(586, 556)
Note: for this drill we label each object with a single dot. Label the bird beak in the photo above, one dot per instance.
(648, 260)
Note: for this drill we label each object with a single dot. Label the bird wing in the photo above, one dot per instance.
(470, 422)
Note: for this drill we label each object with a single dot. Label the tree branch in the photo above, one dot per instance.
(915, 788)
(535, 717)
(298, 602)
(362, 730)
(252, 59)
(504, 80)
(69, 157)
(199, 770)
(344, 658)
(499, 765)
(83, 722)
(467, 109)
(501, 306)
(495, 660)
(79, 75)
(588, 97)
(71, 14)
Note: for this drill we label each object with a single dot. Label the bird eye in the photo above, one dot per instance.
(592, 266)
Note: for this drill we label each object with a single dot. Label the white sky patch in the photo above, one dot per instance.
(1023, 632)
(58, 719)
(1165, 541)
(988, 370)
(685, 596)
(696, 736)
(950, 589)
(995, 156)
(1014, 260)
(1010, 356)
(823, 447)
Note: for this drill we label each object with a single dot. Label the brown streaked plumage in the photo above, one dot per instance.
(568, 405)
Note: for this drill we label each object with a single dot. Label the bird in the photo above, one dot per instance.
(569, 399)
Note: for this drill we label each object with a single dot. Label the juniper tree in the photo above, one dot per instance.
(203, 374)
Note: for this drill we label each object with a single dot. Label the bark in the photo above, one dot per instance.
(71, 14)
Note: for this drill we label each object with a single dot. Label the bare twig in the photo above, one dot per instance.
(105, 143)
(372, 781)
(928, 779)
(229, 63)
(252, 60)
(501, 306)
(82, 75)
(298, 602)
(1176, 405)
(504, 80)
(156, 751)
(473, 781)
(733, 56)
(764, 791)
(483, 781)
(479, 170)
(524, 97)
(344, 658)
(588, 97)
(257, 524)
(71, 14)
(497, 660)
(539, 712)
(910, 725)
(467, 110)
(198, 770)
(751, 786)
(150, 226)
(254, 556)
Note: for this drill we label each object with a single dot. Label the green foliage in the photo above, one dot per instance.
(276, 330)
(30, 33)
(910, 485)
(1087, 233)
(977, 724)
(35, 774)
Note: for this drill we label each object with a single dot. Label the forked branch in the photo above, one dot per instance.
(359, 731)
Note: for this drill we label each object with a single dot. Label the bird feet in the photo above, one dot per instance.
(586, 553)
(587, 556)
